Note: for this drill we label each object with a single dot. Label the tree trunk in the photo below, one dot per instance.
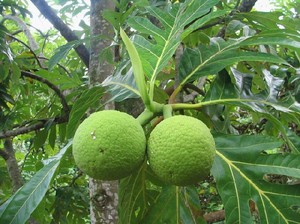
(8, 154)
(104, 195)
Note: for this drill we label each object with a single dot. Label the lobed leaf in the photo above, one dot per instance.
(165, 209)
(240, 169)
(121, 86)
(211, 59)
(165, 35)
(134, 198)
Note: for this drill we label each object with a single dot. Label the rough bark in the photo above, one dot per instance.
(65, 31)
(99, 26)
(215, 216)
(8, 154)
(104, 195)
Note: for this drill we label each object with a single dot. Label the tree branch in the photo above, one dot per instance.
(12, 165)
(52, 86)
(22, 24)
(214, 216)
(29, 128)
(41, 123)
(4, 154)
(65, 31)
(29, 48)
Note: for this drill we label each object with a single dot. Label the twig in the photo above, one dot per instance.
(214, 216)
(26, 128)
(59, 65)
(39, 125)
(65, 31)
(27, 46)
(52, 86)
(195, 88)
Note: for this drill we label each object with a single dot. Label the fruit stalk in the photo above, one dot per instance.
(145, 117)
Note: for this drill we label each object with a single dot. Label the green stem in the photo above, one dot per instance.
(156, 107)
(167, 111)
(177, 205)
(179, 106)
(145, 117)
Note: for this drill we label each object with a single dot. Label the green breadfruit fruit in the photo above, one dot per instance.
(181, 150)
(109, 145)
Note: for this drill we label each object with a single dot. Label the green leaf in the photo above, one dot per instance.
(121, 86)
(164, 37)
(175, 205)
(63, 51)
(206, 60)
(190, 209)
(240, 169)
(134, 198)
(62, 81)
(202, 21)
(19, 207)
(268, 20)
(165, 209)
(81, 105)
(52, 136)
(40, 138)
(288, 38)
(138, 71)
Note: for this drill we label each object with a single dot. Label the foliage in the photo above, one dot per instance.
(236, 71)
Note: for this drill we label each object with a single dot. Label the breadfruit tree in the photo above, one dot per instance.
(216, 135)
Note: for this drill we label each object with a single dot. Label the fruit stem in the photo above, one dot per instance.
(167, 111)
(156, 107)
(177, 205)
(145, 117)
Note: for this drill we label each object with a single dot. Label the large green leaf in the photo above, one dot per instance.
(140, 202)
(62, 81)
(269, 20)
(19, 206)
(206, 60)
(175, 205)
(134, 198)
(121, 85)
(164, 36)
(166, 210)
(241, 168)
(210, 59)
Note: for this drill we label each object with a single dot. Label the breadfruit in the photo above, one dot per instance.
(181, 150)
(109, 145)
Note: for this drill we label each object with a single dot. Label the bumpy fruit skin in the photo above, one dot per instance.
(181, 150)
(109, 145)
